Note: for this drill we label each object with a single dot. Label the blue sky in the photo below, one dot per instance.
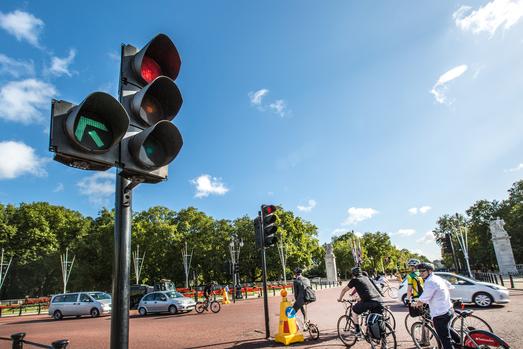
(357, 116)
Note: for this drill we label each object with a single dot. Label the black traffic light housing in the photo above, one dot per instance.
(86, 136)
(152, 100)
(270, 228)
(447, 244)
(236, 268)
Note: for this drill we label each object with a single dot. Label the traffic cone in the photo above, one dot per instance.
(225, 297)
(288, 332)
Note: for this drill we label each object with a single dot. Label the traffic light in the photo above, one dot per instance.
(269, 225)
(258, 234)
(152, 99)
(236, 268)
(86, 136)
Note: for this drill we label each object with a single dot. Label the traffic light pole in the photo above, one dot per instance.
(122, 265)
(264, 270)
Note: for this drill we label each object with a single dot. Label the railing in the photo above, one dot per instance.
(19, 341)
(22, 309)
(495, 278)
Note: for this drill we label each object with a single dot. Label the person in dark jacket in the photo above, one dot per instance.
(299, 285)
(370, 296)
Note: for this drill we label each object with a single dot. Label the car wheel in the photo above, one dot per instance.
(142, 311)
(95, 312)
(173, 309)
(57, 315)
(482, 299)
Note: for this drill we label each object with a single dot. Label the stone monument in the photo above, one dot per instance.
(502, 247)
(330, 264)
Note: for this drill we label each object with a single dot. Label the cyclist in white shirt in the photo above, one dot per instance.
(436, 295)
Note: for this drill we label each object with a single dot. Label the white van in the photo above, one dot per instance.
(80, 303)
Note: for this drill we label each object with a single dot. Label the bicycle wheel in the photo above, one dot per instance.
(409, 320)
(314, 332)
(392, 292)
(389, 318)
(388, 340)
(200, 307)
(215, 306)
(471, 322)
(424, 336)
(484, 340)
(346, 330)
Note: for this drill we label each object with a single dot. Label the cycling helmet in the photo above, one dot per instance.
(425, 265)
(356, 271)
(413, 262)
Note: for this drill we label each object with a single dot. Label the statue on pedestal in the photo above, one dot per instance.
(330, 264)
(502, 247)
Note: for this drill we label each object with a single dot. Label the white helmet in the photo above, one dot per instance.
(413, 262)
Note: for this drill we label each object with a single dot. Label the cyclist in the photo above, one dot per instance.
(299, 285)
(414, 281)
(382, 281)
(207, 291)
(436, 295)
(370, 296)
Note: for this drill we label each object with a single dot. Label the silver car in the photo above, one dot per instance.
(80, 303)
(165, 301)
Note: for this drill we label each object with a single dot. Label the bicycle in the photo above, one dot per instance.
(391, 291)
(471, 322)
(424, 336)
(312, 328)
(206, 304)
(347, 330)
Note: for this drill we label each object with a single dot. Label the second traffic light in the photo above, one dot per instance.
(152, 99)
(236, 268)
(269, 225)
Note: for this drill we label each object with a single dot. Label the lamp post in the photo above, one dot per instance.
(234, 249)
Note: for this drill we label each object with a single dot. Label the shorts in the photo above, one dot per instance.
(372, 306)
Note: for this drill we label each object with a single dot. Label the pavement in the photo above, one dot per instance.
(239, 325)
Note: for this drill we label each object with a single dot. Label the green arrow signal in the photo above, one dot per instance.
(83, 123)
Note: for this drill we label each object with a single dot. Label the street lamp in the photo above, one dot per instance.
(234, 249)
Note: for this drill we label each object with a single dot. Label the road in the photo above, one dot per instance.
(239, 325)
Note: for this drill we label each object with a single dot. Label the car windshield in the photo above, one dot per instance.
(174, 294)
(99, 295)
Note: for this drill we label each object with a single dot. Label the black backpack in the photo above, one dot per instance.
(309, 295)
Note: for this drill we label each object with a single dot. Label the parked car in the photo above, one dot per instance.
(79, 303)
(483, 294)
(165, 301)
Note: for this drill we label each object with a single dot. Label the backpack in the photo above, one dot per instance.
(309, 295)
(415, 278)
(376, 325)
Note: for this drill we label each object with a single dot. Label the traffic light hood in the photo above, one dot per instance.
(160, 100)
(98, 113)
(156, 146)
(158, 57)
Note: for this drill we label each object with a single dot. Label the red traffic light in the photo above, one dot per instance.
(268, 209)
(158, 57)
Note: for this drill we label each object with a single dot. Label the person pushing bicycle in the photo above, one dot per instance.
(370, 296)
(299, 284)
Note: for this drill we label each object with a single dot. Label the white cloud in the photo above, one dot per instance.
(59, 187)
(358, 215)
(207, 185)
(441, 85)
(338, 231)
(279, 107)
(405, 232)
(256, 97)
(515, 169)
(427, 238)
(19, 159)
(422, 210)
(22, 101)
(98, 187)
(495, 14)
(311, 205)
(60, 66)
(23, 25)
(15, 68)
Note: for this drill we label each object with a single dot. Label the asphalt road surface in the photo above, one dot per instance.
(239, 325)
